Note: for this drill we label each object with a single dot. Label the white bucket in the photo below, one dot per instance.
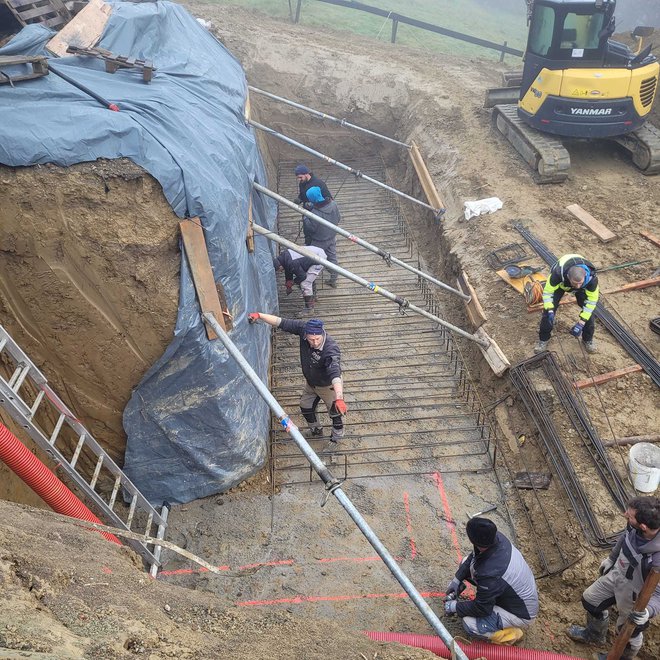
(644, 466)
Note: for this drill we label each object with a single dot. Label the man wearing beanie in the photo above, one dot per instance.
(320, 359)
(306, 180)
(318, 235)
(506, 601)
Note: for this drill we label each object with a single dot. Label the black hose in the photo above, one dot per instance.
(97, 97)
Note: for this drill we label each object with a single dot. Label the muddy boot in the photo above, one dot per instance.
(628, 654)
(541, 346)
(590, 346)
(333, 281)
(595, 632)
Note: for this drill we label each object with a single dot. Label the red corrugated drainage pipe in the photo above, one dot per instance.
(473, 651)
(42, 481)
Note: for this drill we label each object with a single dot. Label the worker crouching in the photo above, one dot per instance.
(574, 274)
(320, 359)
(301, 270)
(506, 601)
(622, 576)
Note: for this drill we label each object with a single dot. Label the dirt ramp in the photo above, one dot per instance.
(89, 267)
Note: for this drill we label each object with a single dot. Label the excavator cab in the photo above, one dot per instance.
(576, 81)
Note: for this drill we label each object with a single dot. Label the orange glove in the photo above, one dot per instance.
(289, 286)
(340, 406)
(253, 317)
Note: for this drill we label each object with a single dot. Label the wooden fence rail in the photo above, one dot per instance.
(396, 18)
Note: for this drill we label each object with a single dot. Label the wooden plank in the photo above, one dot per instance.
(431, 192)
(473, 307)
(202, 273)
(249, 239)
(633, 286)
(598, 228)
(650, 237)
(84, 30)
(496, 359)
(632, 440)
(607, 377)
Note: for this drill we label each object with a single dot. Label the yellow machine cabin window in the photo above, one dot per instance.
(541, 30)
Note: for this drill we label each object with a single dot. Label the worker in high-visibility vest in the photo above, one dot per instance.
(573, 274)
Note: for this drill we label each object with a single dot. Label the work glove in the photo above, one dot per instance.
(606, 566)
(289, 286)
(253, 317)
(551, 317)
(450, 607)
(453, 590)
(297, 200)
(340, 406)
(576, 330)
(639, 618)
(308, 206)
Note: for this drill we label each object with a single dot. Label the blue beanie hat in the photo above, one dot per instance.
(314, 327)
(315, 195)
(302, 169)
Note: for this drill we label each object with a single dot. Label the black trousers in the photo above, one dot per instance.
(545, 329)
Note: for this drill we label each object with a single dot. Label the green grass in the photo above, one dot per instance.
(473, 17)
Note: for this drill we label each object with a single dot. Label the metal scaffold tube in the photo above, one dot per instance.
(437, 212)
(323, 115)
(372, 286)
(389, 258)
(333, 486)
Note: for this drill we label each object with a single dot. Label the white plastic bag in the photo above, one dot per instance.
(481, 206)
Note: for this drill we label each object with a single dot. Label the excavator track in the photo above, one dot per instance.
(544, 153)
(644, 147)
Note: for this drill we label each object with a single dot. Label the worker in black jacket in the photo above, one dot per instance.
(506, 601)
(300, 270)
(306, 180)
(574, 274)
(319, 235)
(320, 359)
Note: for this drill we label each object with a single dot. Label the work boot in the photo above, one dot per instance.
(628, 654)
(595, 632)
(336, 435)
(333, 282)
(541, 346)
(506, 636)
(590, 346)
(317, 431)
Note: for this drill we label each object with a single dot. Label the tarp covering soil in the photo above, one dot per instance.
(194, 425)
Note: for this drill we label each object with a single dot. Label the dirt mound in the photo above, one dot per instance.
(67, 593)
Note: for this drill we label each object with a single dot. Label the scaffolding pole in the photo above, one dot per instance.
(323, 115)
(437, 213)
(333, 487)
(372, 286)
(359, 241)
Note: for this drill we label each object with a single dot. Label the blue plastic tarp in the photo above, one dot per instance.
(195, 424)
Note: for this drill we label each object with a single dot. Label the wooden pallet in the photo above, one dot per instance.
(114, 62)
(38, 64)
(51, 13)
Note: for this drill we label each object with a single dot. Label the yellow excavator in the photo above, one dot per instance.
(578, 83)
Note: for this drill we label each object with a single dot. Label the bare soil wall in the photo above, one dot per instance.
(89, 268)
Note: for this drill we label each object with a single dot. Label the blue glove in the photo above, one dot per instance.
(551, 317)
(638, 618)
(450, 607)
(576, 330)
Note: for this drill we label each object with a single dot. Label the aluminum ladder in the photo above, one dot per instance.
(26, 373)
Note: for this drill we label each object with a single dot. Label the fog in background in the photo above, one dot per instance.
(629, 13)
